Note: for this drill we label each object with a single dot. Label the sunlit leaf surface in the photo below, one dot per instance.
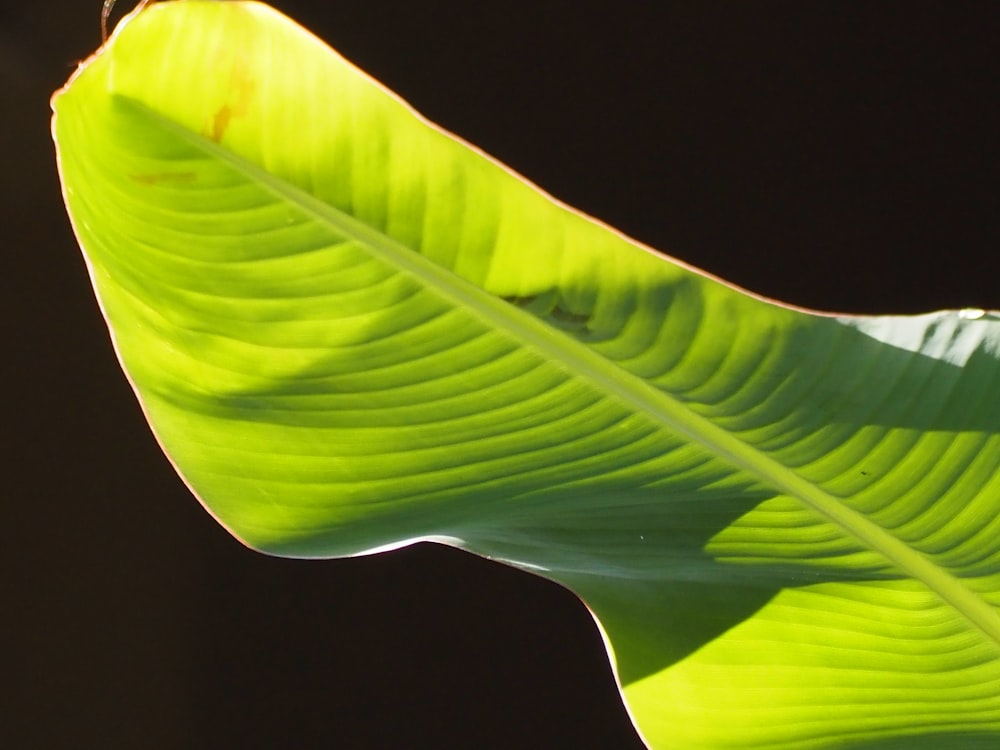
(350, 330)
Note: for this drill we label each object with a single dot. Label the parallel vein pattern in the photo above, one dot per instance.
(349, 330)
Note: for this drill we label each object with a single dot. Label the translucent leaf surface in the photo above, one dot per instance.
(349, 330)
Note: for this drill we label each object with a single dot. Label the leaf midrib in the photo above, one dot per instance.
(637, 393)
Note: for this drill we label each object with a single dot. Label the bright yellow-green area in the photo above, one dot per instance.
(349, 330)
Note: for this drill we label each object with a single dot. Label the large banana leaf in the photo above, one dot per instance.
(349, 331)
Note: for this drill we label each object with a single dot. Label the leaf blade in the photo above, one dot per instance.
(624, 425)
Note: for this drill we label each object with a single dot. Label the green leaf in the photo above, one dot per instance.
(349, 330)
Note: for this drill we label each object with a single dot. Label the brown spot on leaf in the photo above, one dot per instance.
(221, 121)
(156, 178)
(240, 94)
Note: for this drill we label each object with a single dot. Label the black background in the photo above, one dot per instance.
(839, 155)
